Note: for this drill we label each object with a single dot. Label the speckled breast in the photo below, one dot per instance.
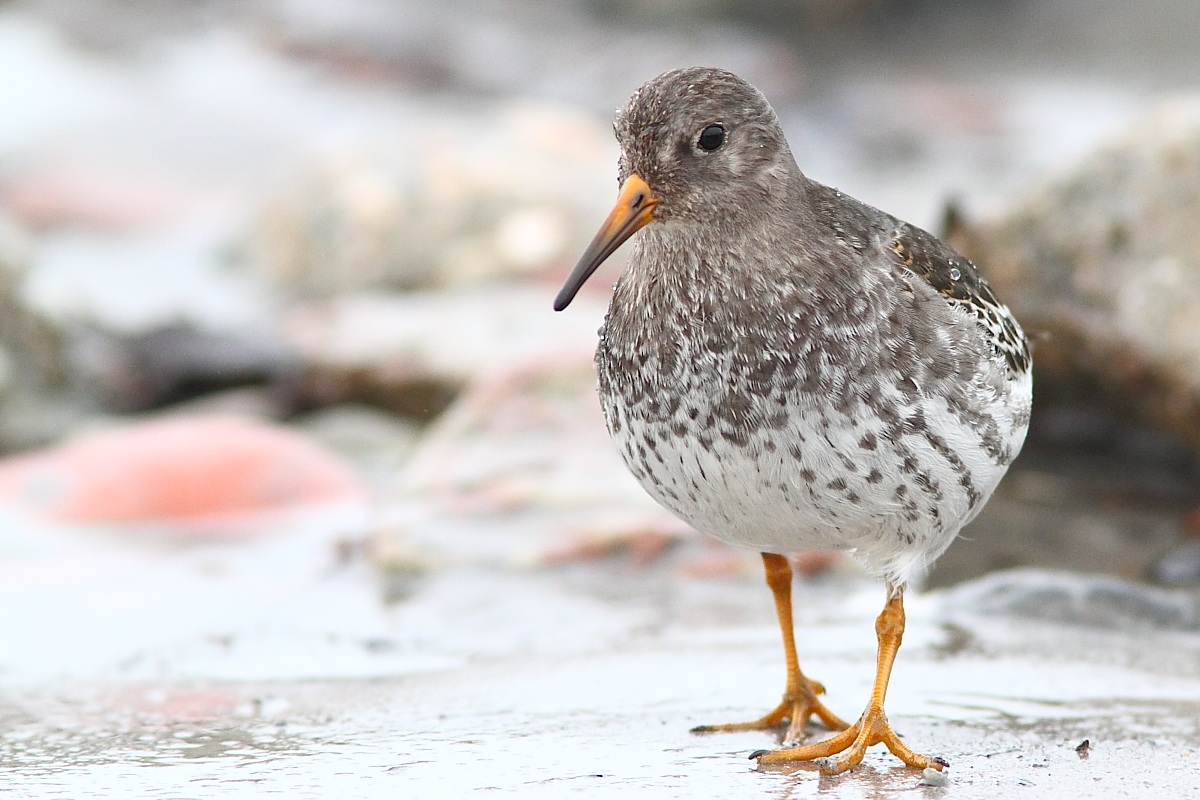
(782, 449)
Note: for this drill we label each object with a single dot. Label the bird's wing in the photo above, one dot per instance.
(959, 281)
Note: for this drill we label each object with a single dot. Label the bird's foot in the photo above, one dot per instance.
(796, 708)
(852, 743)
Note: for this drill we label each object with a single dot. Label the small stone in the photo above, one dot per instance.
(934, 777)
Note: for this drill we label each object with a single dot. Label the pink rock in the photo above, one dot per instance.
(75, 195)
(179, 469)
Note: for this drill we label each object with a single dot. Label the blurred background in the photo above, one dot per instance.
(282, 396)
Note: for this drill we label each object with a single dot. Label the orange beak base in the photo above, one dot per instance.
(634, 209)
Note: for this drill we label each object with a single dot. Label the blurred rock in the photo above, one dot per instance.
(1180, 566)
(126, 321)
(33, 366)
(142, 371)
(32, 348)
(520, 471)
(410, 353)
(1085, 600)
(455, 199)
(1102, 266)
(64, 195)
(206, 474)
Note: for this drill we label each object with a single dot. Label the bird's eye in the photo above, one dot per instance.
(711, 138)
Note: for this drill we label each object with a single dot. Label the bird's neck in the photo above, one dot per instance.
(683, 277)
(730, 259)
(725, 274)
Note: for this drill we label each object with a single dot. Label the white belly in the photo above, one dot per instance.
(826, 481)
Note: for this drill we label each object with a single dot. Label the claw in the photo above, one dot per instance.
(852, 745)
(795, 708)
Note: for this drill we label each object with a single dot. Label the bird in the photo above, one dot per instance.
(786, 368)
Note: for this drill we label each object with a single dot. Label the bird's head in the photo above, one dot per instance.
(699, 147)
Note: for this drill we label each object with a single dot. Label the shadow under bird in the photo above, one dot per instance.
(786, 368)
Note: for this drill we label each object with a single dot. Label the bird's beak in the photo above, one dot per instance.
(633, 210)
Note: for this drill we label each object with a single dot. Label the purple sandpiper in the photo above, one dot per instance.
(787, 368)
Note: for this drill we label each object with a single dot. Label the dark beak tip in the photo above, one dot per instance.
(633, 210)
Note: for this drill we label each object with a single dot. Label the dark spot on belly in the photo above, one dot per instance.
(928, 485)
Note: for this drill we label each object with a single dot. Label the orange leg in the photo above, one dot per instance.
(872, 727)
(800, 699)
